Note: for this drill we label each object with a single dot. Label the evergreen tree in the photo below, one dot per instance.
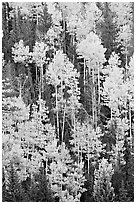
(13, 191)
(40, 190)
(103, 190)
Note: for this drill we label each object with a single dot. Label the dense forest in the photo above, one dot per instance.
(67, 102)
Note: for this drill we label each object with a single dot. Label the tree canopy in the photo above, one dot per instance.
(68, 102)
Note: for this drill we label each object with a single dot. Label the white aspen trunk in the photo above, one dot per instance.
(126, 110)
(93, 113)
(88, 149)
(20, 90)
(73, 41)
(126, 66)
(64, 108)
(63, 123)
(72, 117)
(89, 67)
(95, 102)
(89, 101)
(126, 60)
(131, 142)
(81, 152)
(40, 91)
(40, 104)
(61, 90)
(36, 75)
(88, 158)
(78, 153)
(84, 74)
(61, 184)
(57, 111)
(99, 99)
(42, 81)
(46, 166)
(74, 121)
(111, 109)
(95, 110)
(111, 114)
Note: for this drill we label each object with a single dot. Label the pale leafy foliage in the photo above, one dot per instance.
(66, 178)
(20, 52)
(86, 140)
(56, 14)
(91, 48)
(118, 90)
(123, 19)
(28, 9)
(113, 88)
(15, 112)
(64, 77)
(117, 152)
(77, 15)
(32, 144)
(39, 53)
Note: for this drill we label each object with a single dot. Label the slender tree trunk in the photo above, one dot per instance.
(89, 67)
(36, 75)
(41, 81)
(74, 121)
(126, 66)
(99, 99)
(84, 74)
(61, 89)
(88, 149)
(63, 119)
(81, 152)
(46, 165)
(88, 158)
(88, 87)
(40, 105)
(93, 113)
(78, 153)
(73, 42)
(20, 90)
(95, 101)
(57, 111)
(95, 110)
(111, 109)
(130, 126)
(40, 90)
(111, 114)
(126, 116)
(61, 183)
(63, 123)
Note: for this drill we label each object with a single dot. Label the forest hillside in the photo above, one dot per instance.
(67, 102)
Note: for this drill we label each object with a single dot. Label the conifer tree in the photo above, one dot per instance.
(103, 190)
(40, 190)
(14, 192)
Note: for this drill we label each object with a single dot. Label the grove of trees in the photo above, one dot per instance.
(67, 102)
